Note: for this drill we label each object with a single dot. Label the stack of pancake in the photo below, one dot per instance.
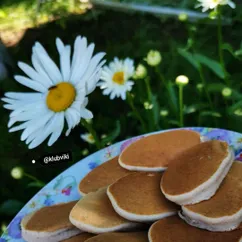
(164, 187)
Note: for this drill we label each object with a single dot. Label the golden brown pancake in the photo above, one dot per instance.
(120, 237)
(223, 211)
(94, 213)
(102, 176)
(196, 174)
(79, 238)
(49, 224)
(174, 229)
(51, 218)
(137, 197)
(154, 152)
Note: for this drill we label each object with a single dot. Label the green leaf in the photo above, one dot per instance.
(216, 87)
(211, 64)
(174, 122)
(238, 52)
(189, 57)
(211, 114)
(235, 107)
(36, 184)
(113, 135)
(10, 207)
(228, 47)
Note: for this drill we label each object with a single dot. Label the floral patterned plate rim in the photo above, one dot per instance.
(64, 187)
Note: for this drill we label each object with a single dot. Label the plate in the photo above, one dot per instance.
(64, 188)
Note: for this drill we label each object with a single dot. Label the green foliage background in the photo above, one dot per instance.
(122, 35)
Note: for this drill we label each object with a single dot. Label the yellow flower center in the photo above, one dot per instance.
(60, 97)
(118, 77)
(90, 137)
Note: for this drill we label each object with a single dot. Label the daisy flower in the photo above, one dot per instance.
(115, 78)
(88, 138)
(61, 94)
(213, 4)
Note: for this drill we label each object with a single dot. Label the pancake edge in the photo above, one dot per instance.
(149, 232)
(136, 217)
(225, 223)
(98, 230)
(207, 189)
(35, 236)
(81, 193)
(145, 168)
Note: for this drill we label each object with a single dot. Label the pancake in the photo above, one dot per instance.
(154, 152)
(94, 214)
(79, 238)
(102, 176)
(49, 224)
(196, 174)
(137, 197)
(222, 212)
(120, 237)
(174, 229)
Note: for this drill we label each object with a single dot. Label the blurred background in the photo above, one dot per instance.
(120, 32)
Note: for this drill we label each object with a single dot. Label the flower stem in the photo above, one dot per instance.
(181, 121)
(34, 178)
(90, 129)
(136, 112)
(150, 98)
(147, 83)
(201, 74)
(220, 48)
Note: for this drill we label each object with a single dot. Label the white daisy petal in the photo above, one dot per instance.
(29, 71)
(211, 4)
(45, 80)
(38, 111)
(107, 91)
(69, 122)
(75, 116)
(26, 107)
(29, 83)
(29, 96)
(35, 134)
(82, 64)
(36, 139)
(60, 46)
(86, 114)
(123, 95)
(80, 46)
(36, 124)
(19, 127)
(65, 63)
(8, 100)
(92, 81)
(85, 102)
(48, 64)
(58, 129)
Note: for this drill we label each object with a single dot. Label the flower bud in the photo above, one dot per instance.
(182, 17)
(140, 72)
(17, 172)
(164, 113)
(226, 92)
(182, 80)
(148, 105)
(154, 58)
